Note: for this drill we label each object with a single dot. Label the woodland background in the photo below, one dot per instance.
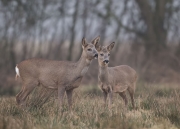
(146, 33)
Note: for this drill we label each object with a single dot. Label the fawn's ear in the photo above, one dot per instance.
(84, 43)
(98, 47)
(110, 47)
(95, 41)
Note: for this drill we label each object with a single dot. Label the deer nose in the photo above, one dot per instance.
(96, 55)
(106, 61)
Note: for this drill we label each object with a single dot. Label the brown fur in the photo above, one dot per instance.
(61, 75)
(117, 79)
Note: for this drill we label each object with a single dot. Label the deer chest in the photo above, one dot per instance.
(84, 71)
(74, 84)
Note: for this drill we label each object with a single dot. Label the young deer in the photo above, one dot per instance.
(61, 75)
(115, 79)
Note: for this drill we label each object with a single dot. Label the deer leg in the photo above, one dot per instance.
(69, 97)
(123, 95)
(131, 92)
(110, 98)
(25, 91)
(61, 92)
(105, 98)
(17, 96)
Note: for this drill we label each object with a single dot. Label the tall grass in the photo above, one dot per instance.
(157, 107)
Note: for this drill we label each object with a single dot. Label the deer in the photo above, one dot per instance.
(63, 76)
(118, 79)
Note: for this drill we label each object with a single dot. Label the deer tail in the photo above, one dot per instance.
(17, 72)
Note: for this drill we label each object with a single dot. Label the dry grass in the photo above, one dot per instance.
(158, 107)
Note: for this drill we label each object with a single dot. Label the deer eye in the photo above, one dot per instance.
(108, 54)
(102, 54)
(89, 49)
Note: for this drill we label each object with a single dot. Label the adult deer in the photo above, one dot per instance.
(61, 75)
(117, 79)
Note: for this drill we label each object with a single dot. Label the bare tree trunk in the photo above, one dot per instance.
(117, 43)
(51, 42)
(106, 21)
(33, 42)
(40, 42)
(73, 31)
(156, 34)
(62, 33)
(12, 58)
(84, 20)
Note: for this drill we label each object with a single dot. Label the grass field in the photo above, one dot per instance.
(157, 107)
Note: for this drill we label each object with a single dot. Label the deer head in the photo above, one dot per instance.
(104, 54)
(89, 50)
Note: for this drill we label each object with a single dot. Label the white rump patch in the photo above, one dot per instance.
(17, 71)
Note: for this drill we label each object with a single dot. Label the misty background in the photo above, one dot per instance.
(146, 33)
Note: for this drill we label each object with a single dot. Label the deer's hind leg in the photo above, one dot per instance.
(27, 88)
(17, 96)
(123, 95)
(131, 93)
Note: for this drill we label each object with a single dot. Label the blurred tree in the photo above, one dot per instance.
(105, 15)
(150, 20)
(73, 29)
(41, 28)
(155, 15)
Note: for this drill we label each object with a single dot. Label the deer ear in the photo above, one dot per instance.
(110, 47)
(95, 41)
(98, 47)
(84, 43)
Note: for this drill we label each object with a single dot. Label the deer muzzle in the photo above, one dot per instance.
(96, 56)
(106, 61)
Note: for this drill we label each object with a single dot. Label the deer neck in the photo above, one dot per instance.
(103, 74)
(83, 65)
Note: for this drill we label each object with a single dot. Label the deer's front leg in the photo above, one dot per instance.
(61, 91)
(110, 94)
(69, 97)
(105, 98)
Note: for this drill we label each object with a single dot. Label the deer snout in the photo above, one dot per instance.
(96, 56)
(106, 61)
